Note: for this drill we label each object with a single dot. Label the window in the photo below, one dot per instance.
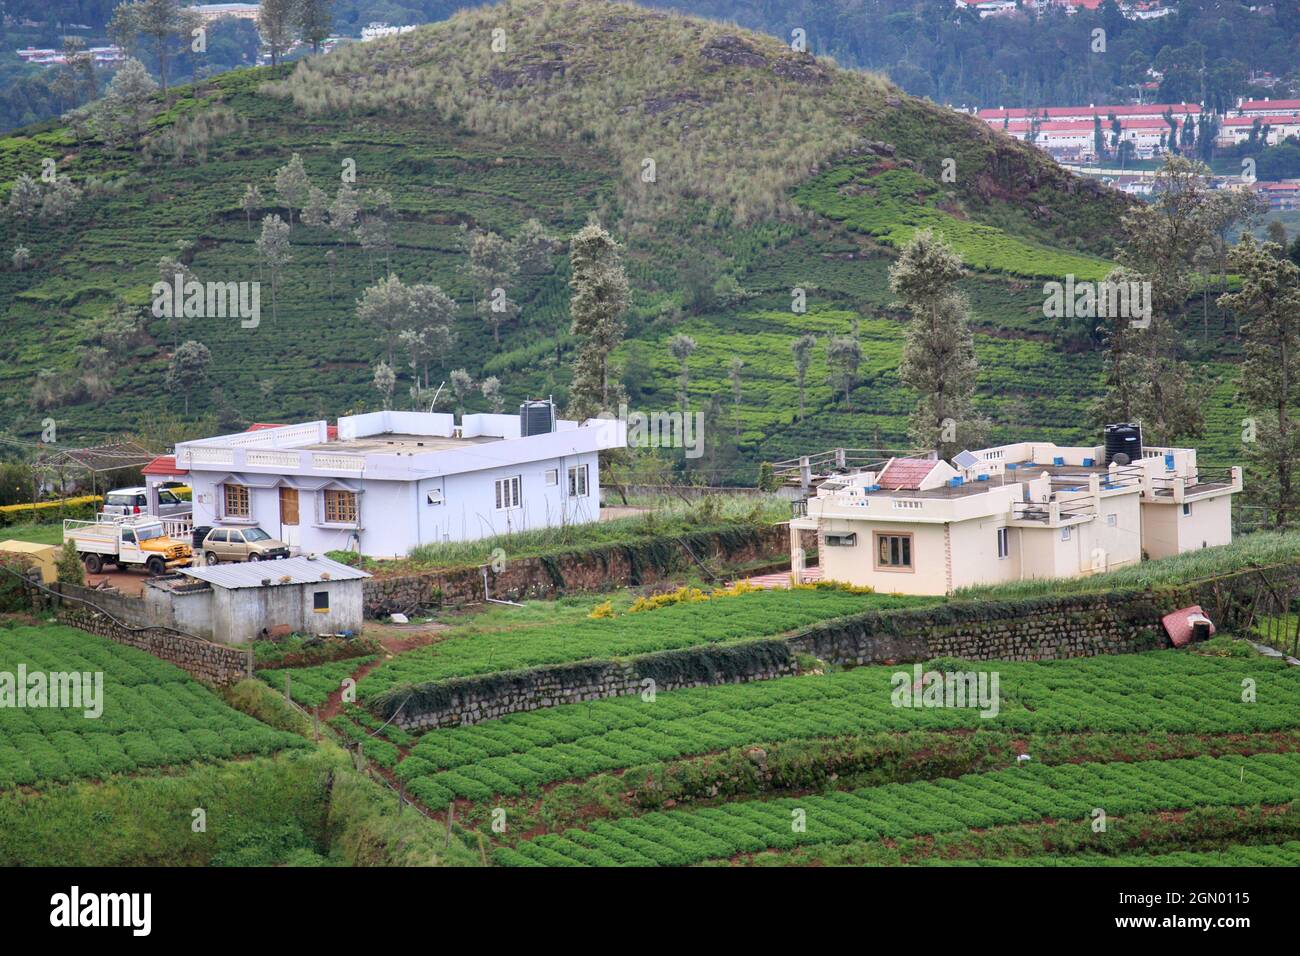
(893, 552)
(841, 540)
(236, 538)
(237, 505)
(256, 534)
(165, 497)
(434, 497)
(1065, 534)
(1004, 542)
(320, 601)
(219, 536)
(552, 477)
(128, 535)
(578, 481)
(1112, 520)
(507, 493)
(340, 507)
(1187, 509)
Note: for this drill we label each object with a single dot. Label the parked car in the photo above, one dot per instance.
(135, 501)
(240, 544)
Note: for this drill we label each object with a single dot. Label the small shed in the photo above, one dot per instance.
(309, 594)
(42, 556)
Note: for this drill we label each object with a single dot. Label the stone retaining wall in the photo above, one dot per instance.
(1042, 628)
(593, 569)
(119, 619)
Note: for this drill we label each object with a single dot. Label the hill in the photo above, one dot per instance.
(773, 171)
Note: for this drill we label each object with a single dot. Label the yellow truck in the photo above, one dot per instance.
(126, 541)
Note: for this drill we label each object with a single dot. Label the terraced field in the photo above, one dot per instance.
(679, 837)
(685, 625)
(154, 715)
(1152, 693)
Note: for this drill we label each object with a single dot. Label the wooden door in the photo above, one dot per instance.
(289, 515)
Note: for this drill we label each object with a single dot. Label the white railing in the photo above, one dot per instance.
(208, 456)
(272, 459)
(335, 462)
(908, 504)
(178, 526)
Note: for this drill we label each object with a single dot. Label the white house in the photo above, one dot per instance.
(391, 481)
(1013, 512)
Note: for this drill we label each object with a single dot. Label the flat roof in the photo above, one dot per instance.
(398, 442)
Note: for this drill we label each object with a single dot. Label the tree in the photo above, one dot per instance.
(60, 199)
(122, 113)
(314, 20)
(292, 185)
(25, 197)
(461, 386)
(387, 306)
(316, 208)
(599, 295)
(385, 381)
(251, 202)
(802, 348)
(491, 267)
(430, 316)
(533, 248)
(733, 373)
(21, 257)
(939, 355)
(681, 346)
(276, 21)
(163, 24)
(188, 369)
(68, 568)
(343, 212)
(843, 356)
(1145, 379)
(273, 248)
(491, 389)
(1269, 301)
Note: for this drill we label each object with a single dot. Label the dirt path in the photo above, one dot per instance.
(394, 640)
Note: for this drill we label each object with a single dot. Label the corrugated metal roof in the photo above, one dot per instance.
(256, 574)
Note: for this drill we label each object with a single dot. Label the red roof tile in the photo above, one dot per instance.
(905, 474)
(163, 465)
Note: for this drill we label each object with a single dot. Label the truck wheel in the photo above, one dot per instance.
(155, 566)
(211, 559)
(94, 563)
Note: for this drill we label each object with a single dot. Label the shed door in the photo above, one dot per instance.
(289, 516)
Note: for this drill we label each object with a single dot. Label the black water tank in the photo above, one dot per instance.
(536, 418)
(1123, 439)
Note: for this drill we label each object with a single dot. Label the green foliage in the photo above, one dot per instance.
(154, 715)
(681, 838)
(68, 565)
(1153, 693)
(746, 616)
(312, 686)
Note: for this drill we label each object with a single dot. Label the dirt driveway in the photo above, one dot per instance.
(128, 582)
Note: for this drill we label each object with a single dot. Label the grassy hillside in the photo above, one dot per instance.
(772, 168)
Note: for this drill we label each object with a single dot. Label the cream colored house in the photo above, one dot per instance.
(1012, 512)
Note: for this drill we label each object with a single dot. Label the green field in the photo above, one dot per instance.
(1156, 693)
(154, 715)
(680, 838)
(766, 613)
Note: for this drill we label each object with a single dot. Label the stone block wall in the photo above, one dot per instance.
(208, 662)
(1041, 628)
(594, 569)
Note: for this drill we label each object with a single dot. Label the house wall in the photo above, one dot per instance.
(1209, 524)
(856, 565)
(975, 552)
(395, 516)
(468, 510)
(240, 614)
